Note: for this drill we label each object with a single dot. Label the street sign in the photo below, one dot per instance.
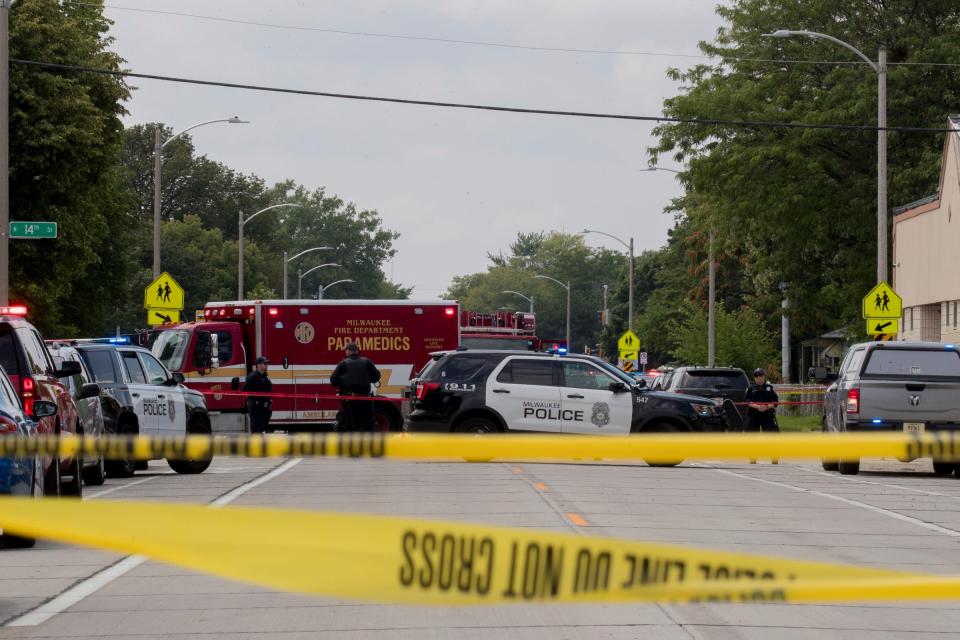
(628, 365)
(643, 357)
(877, 327)
(882, 302)
(163, 293)
(628, 355)
(628, 342)
(33, 230)
(162, 316)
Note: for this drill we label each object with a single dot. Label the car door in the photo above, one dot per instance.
(171, 409)
(589, 406)
(143, 395)
(525, 392)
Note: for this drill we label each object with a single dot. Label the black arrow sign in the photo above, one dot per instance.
(879, 328)
(166, 319)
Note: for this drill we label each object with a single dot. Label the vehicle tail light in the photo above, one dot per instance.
(7, 425)
(423, 388)
(29, 394)
(853, 401)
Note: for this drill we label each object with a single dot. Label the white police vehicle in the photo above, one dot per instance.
(475, 391)
(140, 396)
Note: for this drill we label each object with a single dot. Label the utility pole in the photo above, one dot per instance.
(606, 309)
(785, 336)
(882, 166)
(5, 151)
(712, 309)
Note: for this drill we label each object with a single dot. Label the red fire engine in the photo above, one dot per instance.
(304, 340)
(500, 330)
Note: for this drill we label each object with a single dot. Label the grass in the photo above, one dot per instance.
(797, 424)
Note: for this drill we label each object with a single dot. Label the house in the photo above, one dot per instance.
(926, 253)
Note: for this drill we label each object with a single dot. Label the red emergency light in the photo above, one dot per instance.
(450, 311)
(273, 311)
(16, 310)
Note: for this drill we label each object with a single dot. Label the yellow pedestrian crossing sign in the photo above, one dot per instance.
(163, 293)
(628, 342)
(162, 316)
(882, 302)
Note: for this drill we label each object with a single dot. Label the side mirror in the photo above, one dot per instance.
(67, 369)
(234, 384)
(618, 387)
(641, 383)
(89, 390)
(821, 374)
(178, 377)
(43, 409)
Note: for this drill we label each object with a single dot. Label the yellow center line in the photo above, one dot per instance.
(577, 519)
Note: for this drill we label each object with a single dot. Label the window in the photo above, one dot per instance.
(524, 371)
(171, 347)
(461, 368)
(101, 364)
(224, 347)
(954, 314)
(8, 397)
(156, 374)
(134, 370)
(946, 312)
(714, 379)
(852, 366)
(38, 360)
(911, 318)
(8, 354)
(580, 375)
(913, 362)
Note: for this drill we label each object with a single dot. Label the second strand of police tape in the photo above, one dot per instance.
(657, 448)
(390, 559)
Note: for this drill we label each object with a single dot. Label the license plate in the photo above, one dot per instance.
(913, 427)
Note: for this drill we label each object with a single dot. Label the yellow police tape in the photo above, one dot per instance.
(654, 448)
(390, 559)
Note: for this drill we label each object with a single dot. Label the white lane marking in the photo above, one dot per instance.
(856, 503)
(99, 580)
(880, 484)
(100, 494)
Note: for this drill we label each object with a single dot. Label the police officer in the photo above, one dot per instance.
(761, 402)
(353, 377)
(259, 407)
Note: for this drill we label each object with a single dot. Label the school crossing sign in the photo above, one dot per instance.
(163, 300)
(882, 309)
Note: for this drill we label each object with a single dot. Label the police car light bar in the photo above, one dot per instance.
(16, 310)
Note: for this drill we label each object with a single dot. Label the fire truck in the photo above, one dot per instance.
(304, 340)
(501, 330)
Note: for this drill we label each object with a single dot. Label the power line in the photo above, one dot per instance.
(482, 43)
(476, 107)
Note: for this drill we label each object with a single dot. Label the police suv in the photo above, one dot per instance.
(474, 391)
(140, 396)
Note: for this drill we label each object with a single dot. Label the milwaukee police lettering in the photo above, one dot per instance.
(538, 570)
(369, 335)
(550, 411)
(153, 407)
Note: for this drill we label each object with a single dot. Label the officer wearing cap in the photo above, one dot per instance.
(259, 407)
(761, 402)
(353, 377)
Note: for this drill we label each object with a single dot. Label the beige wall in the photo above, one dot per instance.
(926, 244)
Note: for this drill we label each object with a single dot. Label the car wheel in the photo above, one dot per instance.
(476, 426)
(942, 468)
(74, 486)
(95, 475)
(829, 465)
(192, 467)
(849, 467)
(51, 479)
(662, 427)
(126, 467)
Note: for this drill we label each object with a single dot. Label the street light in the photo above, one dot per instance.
(629, 276)
(567, 287)
(240, 242)
(527, 298)
(301, 276)
(880, 67)
(157, 162)
(323, 289)
(287, 261)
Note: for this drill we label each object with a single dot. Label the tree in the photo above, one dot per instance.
(65, 135)
(743, 339)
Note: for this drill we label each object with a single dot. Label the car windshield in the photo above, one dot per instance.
(620, 375)
(707, 379)
(170, 347)
(492, 342)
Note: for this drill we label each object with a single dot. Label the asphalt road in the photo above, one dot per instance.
(892, 515)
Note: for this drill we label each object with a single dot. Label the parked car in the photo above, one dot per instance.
(20, 476)
(24, 356)
(86, 392)
(908, 387)
(719, 383)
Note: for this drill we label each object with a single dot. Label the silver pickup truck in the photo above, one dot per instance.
(893, 386)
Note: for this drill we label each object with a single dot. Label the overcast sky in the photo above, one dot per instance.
(456, 184)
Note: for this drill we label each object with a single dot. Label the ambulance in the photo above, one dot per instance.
(304, 341)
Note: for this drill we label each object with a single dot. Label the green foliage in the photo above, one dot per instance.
(743, 339)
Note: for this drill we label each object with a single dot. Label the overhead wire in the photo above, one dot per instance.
(483, 43)
(476, 107)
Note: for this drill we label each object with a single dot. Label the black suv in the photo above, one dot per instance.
(475, 391)
(720, 383)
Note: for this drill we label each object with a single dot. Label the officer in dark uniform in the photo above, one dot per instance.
(259, 408)
(761, 402)
(353, 377)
